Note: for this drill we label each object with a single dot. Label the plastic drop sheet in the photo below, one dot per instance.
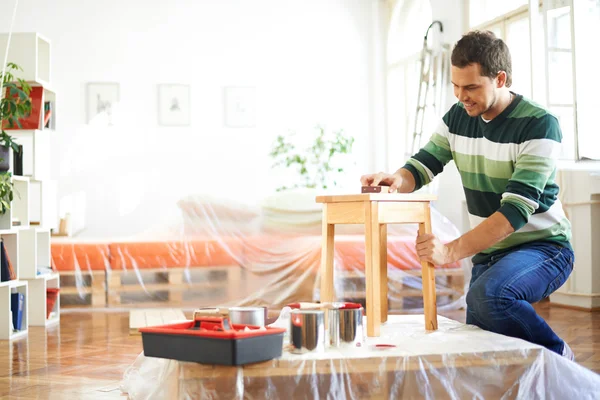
(457, 361)
(226, 250)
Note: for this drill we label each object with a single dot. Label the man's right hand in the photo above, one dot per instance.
(394, 181)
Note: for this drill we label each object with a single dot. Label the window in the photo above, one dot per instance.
(571, 29)
(481, 11)
(559, 73)
(587, 33)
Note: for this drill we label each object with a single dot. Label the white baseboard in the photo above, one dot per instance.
(578, 300)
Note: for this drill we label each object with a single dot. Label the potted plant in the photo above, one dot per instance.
(15, 104)
(316, 164)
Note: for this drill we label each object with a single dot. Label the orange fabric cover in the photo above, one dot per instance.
(89, 256)
(349, 253)
(175, 253)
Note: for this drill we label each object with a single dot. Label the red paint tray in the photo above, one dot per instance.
(213, 340)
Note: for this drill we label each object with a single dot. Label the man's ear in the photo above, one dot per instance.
(501, 79)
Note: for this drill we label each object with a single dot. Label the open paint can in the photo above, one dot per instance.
(248, 315)
(346, 325)
(307, 331)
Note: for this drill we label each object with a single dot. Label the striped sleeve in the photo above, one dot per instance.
(432, 158)
(536, 162)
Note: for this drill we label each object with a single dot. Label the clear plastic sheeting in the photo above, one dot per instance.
(457, 361)
(225, 250)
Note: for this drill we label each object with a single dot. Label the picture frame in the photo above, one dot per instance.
(174, 101)
(101, 100)
(239, 106)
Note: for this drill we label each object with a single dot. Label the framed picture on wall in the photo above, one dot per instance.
(173, 105)
(240, 107)
(102, 100)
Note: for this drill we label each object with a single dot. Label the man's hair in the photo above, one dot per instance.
(484, 48)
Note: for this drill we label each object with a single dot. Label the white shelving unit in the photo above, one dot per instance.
(31, 51)
(6, 322)
(37, 294)
(34, 142)
(26, 228)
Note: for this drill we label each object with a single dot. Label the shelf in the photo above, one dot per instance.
(18, 334)
(11, 243)
(43, 206)
(37, 299)
(36, 152)
(12, 284)
(20, 203)
(35, 200)
(18, 178)
(34, 252)
(27, 253)
(6, 332)
(31, 52)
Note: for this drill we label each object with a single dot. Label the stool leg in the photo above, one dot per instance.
(372, 268)
(428, 279)
(327, 250)
(384, 272)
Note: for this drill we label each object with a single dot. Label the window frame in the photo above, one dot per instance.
(541, 92)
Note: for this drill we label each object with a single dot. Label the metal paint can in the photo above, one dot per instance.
(307, 331)
(346, 327)
(247, 316)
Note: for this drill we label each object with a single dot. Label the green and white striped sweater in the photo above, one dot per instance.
(507, 164)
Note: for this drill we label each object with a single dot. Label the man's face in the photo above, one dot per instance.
(476, 92)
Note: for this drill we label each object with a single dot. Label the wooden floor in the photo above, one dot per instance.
(85, 357)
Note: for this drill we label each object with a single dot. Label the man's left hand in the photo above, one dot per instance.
(429, 248)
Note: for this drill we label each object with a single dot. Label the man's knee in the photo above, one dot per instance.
(487, 300)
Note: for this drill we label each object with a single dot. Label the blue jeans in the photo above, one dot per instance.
(501, 292)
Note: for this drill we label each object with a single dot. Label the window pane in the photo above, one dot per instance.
(565, 118)
(560, 75)
(497, 29)
(559, 28)
(481, 11)
(587, 32)
(517, 39)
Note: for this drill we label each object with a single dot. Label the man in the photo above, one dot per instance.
(505, 148)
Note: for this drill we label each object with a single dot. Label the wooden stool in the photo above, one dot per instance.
(376, 210)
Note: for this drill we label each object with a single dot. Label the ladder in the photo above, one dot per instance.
(435, 67)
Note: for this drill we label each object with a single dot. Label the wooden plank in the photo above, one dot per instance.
(172, 314)
(383, 271)
(137, 319)
(357, 294)
(327, 253)
(345, 213)
(411, 272)
(428, 279)
(402, 213)
(154, 318)
(85, 272)
(376, 197)
(140, 318)
(373, 272)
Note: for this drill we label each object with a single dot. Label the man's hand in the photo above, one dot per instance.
(394, 181)
(430, 249)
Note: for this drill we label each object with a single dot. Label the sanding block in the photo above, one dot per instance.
(376, 189)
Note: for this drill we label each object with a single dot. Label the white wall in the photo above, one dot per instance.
(448, 185)
(308, 60)
(450, 190)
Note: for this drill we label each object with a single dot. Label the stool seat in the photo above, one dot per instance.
(375, 211)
